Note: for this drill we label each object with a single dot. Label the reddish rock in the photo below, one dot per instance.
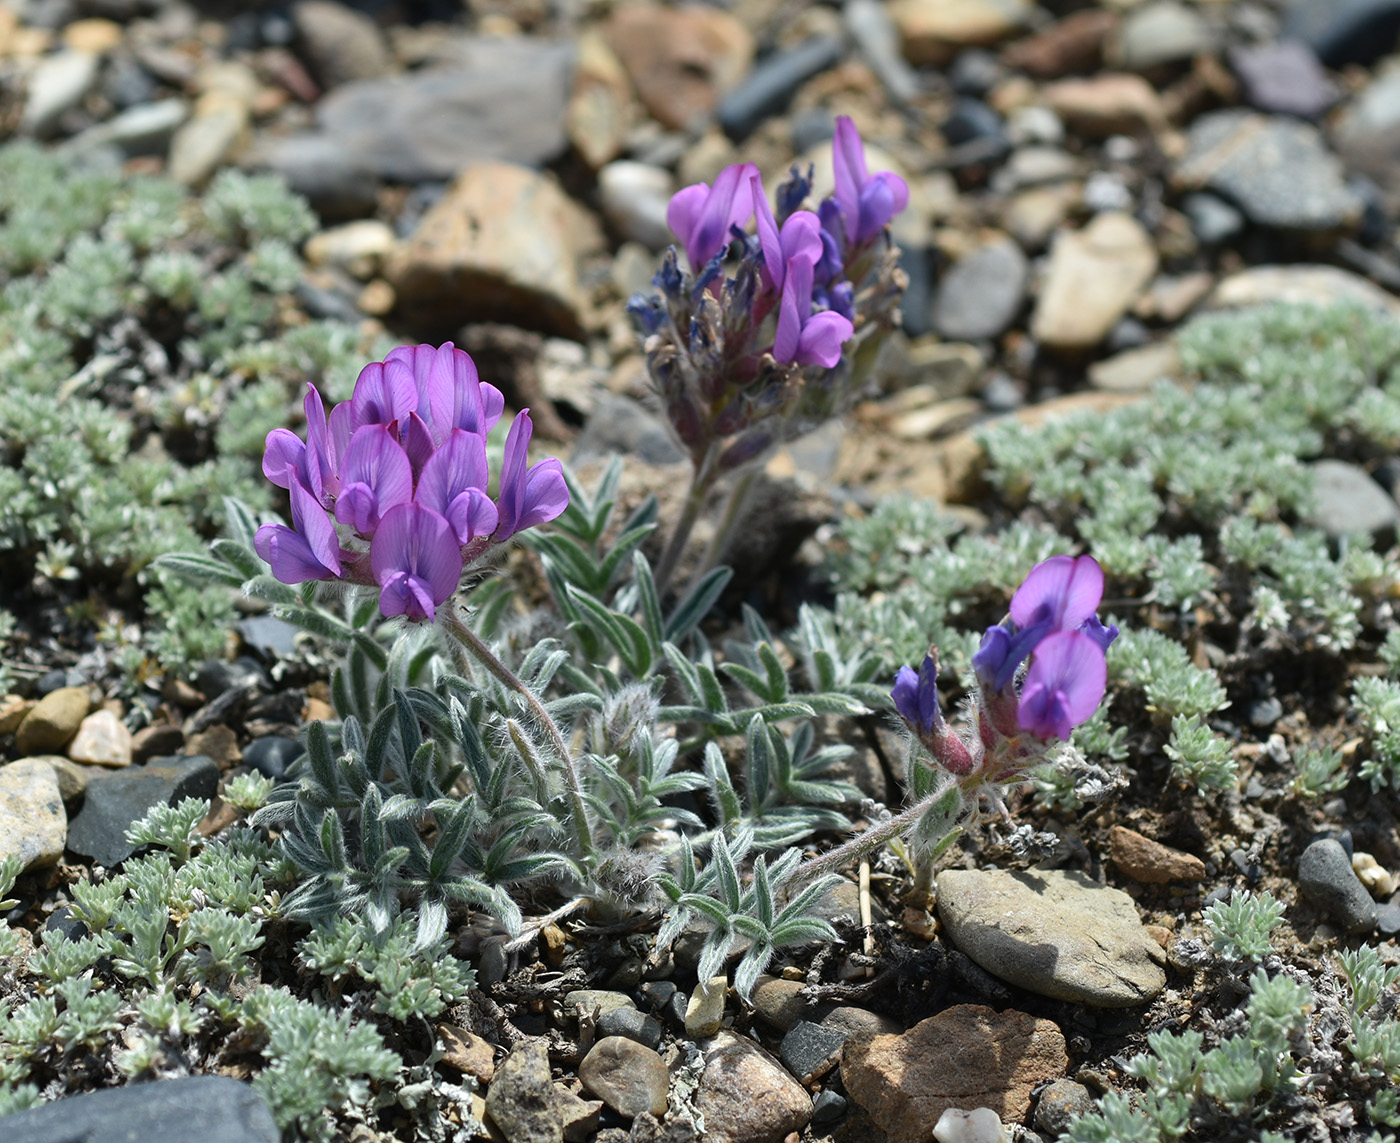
(966, 1056)
(1150, 861)
(1070, 47)
(1108, 104)
(680, 59)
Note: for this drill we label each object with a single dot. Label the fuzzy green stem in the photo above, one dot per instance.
(508, 678)
(701, 479)
(870, 840)
(733, 513)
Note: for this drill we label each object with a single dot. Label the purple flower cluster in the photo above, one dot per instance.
(1053, 622)
(402, 468)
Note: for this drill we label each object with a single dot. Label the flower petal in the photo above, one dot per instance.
(795, 307)
(1063, 590)
(821, 339)
(510, 499)
(289, 555)
(683, 212)
(459, 464)
(414, 543)
(848, 167)
(472, 514)
(311, 521)
(546, 494)
(284, 450)
(770, 242)
(1064, 685)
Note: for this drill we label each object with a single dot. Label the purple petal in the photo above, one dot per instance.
(417, 443)
(382, 395)
(906, 695)
(285, 450)
(821, 339)
(769, 240)
(683, 212)
(546, 494)
(848, 166)
(729, 203)
(341, 426)
(1094, 628)
(928, 691)
(510, 499)
(379, 477)
(876, 209)
(472, 514)
(459, 464)
(416, 561)
(833, 225)
(1064, 685)
(794, 309)
(990, 658)
(311, 521)
(321, 461)
(1063, 590)
(290, 555)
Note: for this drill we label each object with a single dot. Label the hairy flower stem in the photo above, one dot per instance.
(701, 481)
(729, 522)
(870, 840)
(483, 654)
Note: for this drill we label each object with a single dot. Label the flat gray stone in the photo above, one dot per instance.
(114, 800)
(982, 294)
(1347, 501)
(1056, 933)
(521, 1101)
(1326, 877)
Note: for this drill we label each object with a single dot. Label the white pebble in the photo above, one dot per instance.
(982, 1125)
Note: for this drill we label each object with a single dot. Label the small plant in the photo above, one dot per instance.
(1200, 757)
(1240, 928)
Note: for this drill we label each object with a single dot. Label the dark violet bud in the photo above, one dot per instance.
(916, 695)
(669, 279)
(712, 272)
(793, 191)
(991, 657)
(685, 419)
(647, 311)
(839, 299)
(743, 450)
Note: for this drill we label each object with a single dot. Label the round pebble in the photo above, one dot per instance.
(627, 1076)
(1327, 880)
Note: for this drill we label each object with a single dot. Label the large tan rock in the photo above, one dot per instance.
(1095, 275)
(53, 721)
(501, 245)
(934, 31)
(966, 1056)
(1108, 104)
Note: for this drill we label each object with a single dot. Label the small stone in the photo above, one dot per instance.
(828, 1107)
(93, 35)
(467, 1052)
(1106, 104)
(1136, 370)
(745, 1095)
(1379, 881)
(874, 33)
(628, 1077)
(634, 1025)
(204, 142)
(102, 740)
(634, 198)
(150, 741)
(33, 823)
(145, 129)
(212, 1109)
(1300, 284)
(72, 778)
(588, 1001)
(811, 1050)
(58, 84)
(1033, 215)
(981, 1125)
(338, 183)
(853, 1021)
(1344, 31)
(1071, 46)
(597, 113)
(1213, 220)
(1149, 861)
(501, 245)
(340, 43)
(982, 294)
(933, 31)
(218, 742)
(1283, 78)
(272, 754)
(1277, 170)
(965, 1055)
(704, 1015)
(219, 676)
(12, 712)
(521, 1098)
(1095, 275)
(1347, 501)
(680, 59)
(769, 87)
(779, 1002)
(359, 248)
(1163, 32)
(1327, 879)
(1059, 1105)
(117, 798)
(578, 1116)
(1056, 933)
(53, 721)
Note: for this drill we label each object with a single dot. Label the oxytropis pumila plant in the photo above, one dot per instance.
(766, 335)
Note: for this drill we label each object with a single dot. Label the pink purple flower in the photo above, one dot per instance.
(701, 215)
(803, 336)
(867, 202)
(308, 549)
(416, 561)
(1064, 685)
(527, 497)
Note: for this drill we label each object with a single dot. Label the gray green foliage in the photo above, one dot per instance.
(1240, 927)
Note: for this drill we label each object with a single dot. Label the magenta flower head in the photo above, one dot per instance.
(701, 215)
(416, 561)
(526, 497)
(307, 550)
(867, 202)
(1064, 685)
(804, 337)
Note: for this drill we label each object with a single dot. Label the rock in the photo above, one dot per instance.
(271, 754)
(875, 35)
(114, 800)
(205, 141)
(340, 43)
(1150, 861)
(811, 1050)
(628, 1022)
(704, 1015)
(1277, 170)
(1035, 166)
(1368, 133)
(72, 778)
(1213, 220)
(597, 114)
(33, 823)
(981, 1125)
(1071, 46)
(579, 1116)
(102, 740)
(212, 1109)
(1162, 32)
(217, 677)
(218, 742)
(1095, 275)
(965, 1056)
(982, 294)
(1299, 284)
(1284, 78)
(1347, 501)
(680, 59)
(1327, 879)
(1344, 31)
(1060, 1104)
(627, 1076)
(1056, 933)
(12, 712)
(467, 1052)
(827, 1107)
(358, 248)
(746, 1097)
(590, 1001)
(634, 198)
(488, 98)
(769, 87)
(338, 184)
(1388, 918)
(501, 245)
(1172, 296)
(57, 85)
(1135, 370)
(970, 121)
(934, 31)
(1033, 215)
(93, 35)
(1106, 104)
(521, 1098)
(53, 721)
(621, 425)
(779, 1002)
(145, 129)
(859, 1022)
(150, 741)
